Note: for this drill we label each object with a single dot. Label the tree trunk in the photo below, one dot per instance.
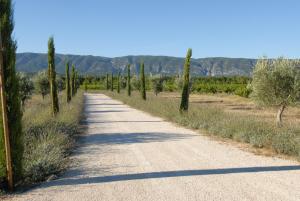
(279, 115)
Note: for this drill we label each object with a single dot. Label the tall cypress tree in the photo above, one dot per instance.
(107, 82)
(112, 82)
(11, 87)
(76, 84)
(73, 80)
(118, 86)
(52, 76)
(128, 81)
(143, 84)
(68, 87)
(184, 105)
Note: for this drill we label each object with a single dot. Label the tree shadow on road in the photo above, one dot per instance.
(130, 138)
(168, 174)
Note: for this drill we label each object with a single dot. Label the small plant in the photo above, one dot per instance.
(184, 105)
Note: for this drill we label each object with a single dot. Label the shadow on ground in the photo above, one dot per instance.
(167, 174)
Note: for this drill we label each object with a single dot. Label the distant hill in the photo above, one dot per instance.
(97, 65)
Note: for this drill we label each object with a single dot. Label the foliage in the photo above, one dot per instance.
(73, 90)
(26, 87)
(128, 81)
(107, 82)
(68, 87)
(48, 140)
(41, 83)
(157, 85)
(60, 83)
(52, 77)
(184, 105)
(112, 82)
(11, 87)
(143, 82)
(118, 84)
(276, 83)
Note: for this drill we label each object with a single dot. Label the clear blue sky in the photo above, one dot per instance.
(230, 28)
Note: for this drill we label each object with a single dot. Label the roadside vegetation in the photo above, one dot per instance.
(275, 85)
(38, 118)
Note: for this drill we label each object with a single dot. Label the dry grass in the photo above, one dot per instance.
(240, 105)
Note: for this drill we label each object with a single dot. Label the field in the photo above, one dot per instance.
(226, 116)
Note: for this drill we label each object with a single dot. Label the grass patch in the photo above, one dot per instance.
(48, 140)
(216, 121)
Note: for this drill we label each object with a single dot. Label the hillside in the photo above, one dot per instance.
(215, 66)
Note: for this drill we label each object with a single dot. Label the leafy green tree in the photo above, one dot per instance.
(52, 76)
(112, 82)
(143, 82)
(41, 83)
(276, 83)
(107, 82)
(73, 90)
(26, 87)
(118, 86)
(60, 82)
(128, 81)
(11, 87)
(157, 85)
(68, 87)
(184, 105)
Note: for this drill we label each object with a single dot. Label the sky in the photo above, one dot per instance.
(111, 28)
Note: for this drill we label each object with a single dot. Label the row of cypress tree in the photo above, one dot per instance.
(71, 82)
(184, 104)
(11, 90)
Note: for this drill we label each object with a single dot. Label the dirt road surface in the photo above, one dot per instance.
(127, 155)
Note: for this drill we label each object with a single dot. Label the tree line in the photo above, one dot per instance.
(16, 89)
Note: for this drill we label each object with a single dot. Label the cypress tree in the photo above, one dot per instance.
(73, 80)
(76, 86)
(118, 86)
(143, 84)
(68, 87)
(112, 82)
(11, 88)
(52, 76)
(128, 81)
(107, 82)
(184, 105)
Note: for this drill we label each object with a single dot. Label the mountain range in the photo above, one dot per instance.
(166, 65)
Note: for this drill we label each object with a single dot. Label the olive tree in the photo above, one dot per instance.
(276, 83)
(41, 83)
(26, 87)
(157, 85)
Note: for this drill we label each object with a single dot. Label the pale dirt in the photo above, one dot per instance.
(129, 155)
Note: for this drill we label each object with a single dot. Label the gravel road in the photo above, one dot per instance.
(129, 155)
